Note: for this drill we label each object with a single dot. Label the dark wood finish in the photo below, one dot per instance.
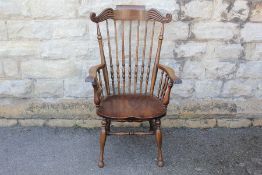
(128, 107)
(132, 90)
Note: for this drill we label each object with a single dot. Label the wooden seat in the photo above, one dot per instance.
(130, 85)
(129, 107)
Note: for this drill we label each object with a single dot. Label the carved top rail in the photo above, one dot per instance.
(130, 13)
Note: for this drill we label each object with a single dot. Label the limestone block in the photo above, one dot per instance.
(15, 88)
(256, 12)
(233, 123)
(10, 68)
(49, 88)
(251, 69)
(253, 51)
(252, 32)
(190, 49)
(238, 88)
(207, 88)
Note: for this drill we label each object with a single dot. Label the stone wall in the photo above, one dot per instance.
(46, 46)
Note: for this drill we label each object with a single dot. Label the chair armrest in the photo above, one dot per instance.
(173, 79)
(92, 77)
(171, 73)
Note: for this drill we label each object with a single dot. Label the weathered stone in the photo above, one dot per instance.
(52, 9)
(13, 8)
(220, 10)
(15, 88)
(7, 122)
(1, 70)
(190, 49)
(18, 49)
(256, 13)
(200, 123)
(77, 88)
(29, 29)
(223, 52)
(49, 88)
(214, 30)
(207, 88)
(48, 108)
(239, 11)
(177, 31)
(257, 122)
(197, 9)
(252, 32)
(253, 51)
(10, 68)
(193, 69)
(219, 70)
(233, 123)
(234, 11)
(185, 89)
(57, 49)
(3, 31)
(258, 91)
(88, 123)
(238, 88)
(31, 122)
(61, 123)
(252, 69)
(70, 28)
(46, 29)
(49, 69)
(170, 123)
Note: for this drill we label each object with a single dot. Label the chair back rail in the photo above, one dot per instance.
(135, 38)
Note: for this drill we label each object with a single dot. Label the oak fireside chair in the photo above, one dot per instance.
(128, 94)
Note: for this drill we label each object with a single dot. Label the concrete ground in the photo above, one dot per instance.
(55, 151)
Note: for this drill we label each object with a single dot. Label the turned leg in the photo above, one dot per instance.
(102, 143)
(152, 125)
(158, 133)
(108, 123)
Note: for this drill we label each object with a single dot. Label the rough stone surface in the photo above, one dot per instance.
(18, 49)
(49, 88)
(177, 31)
(31, 122)
(193, 69)
(77, 88)
(219, 70)
(214, 30)
(190, 49)
(254, 52)
(257, 122)
(252, 32)
(200, 123)
(3, 31)
(197, 9)
(234, 11)
(233, 123)
(223, 52)
(60, 123)
(252, 69)
(48, 69)
(11, 68)
(7, 122)
(46, 29)
(58, 49)
(13, 9)
(256, 13)
(51, 9)
(185, 89)
(208, 88)
(237, 88)
(15, 88)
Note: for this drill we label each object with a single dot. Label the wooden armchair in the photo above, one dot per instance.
(129, 93)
